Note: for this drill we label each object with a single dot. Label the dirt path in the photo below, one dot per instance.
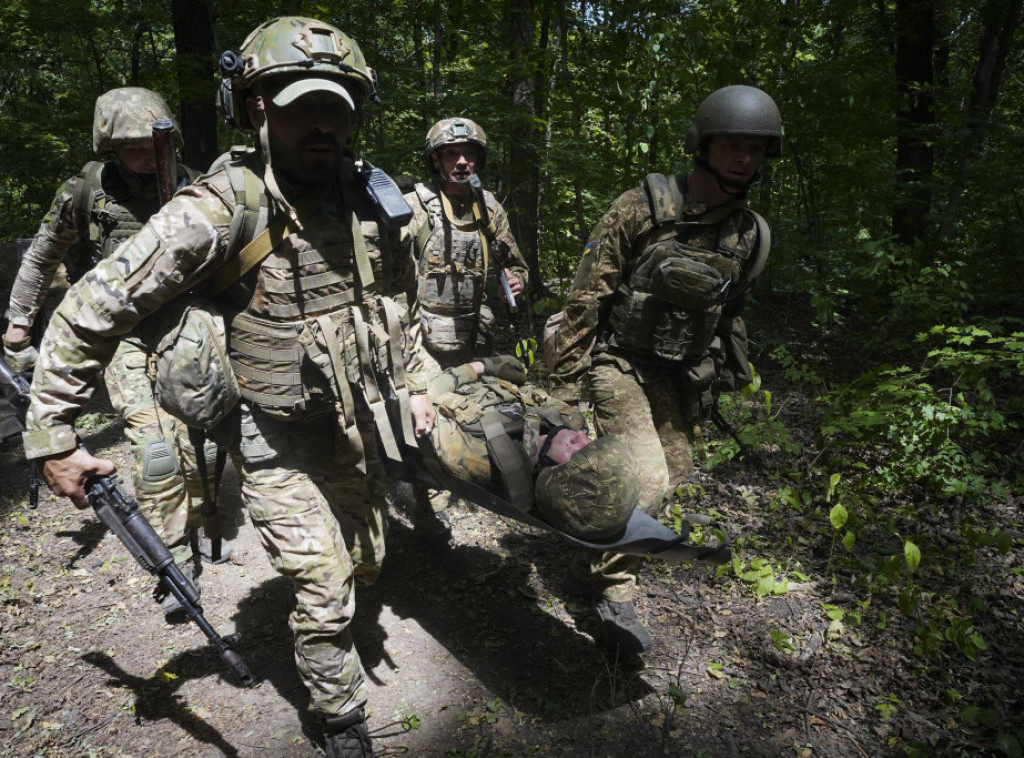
(475, 651)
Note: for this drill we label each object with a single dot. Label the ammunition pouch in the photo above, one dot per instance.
(362, 349)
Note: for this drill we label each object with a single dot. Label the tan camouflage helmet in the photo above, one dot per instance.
(292, 45)
(592, 495)
(453, 131)
(126, 114)
(737, 109)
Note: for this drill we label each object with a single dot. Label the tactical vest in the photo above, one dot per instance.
(452, 271)
(671, 298)
(309, 323)
(105, 205)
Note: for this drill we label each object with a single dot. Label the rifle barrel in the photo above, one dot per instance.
(166, 164)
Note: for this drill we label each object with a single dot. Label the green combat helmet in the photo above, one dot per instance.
(127, 114)
(737, 109)
(453, 131)
(292, 45)
(592, 495)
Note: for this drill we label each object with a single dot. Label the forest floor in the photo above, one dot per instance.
(478, 650)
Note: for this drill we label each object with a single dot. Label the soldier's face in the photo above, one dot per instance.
(307, 136)
(137, 156)
(737, 156)
(566, 443)
(456, 163)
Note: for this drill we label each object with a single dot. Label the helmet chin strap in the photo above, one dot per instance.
(270, 178)
(728, 186)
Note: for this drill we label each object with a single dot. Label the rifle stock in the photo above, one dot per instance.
(116, 508)
(166, 162)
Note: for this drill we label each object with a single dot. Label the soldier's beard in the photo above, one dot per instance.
(312, 161)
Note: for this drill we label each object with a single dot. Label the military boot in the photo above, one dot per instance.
(621, 626)
(435, 527)
(346, 736)
(174, 611)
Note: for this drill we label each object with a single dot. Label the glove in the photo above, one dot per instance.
(21, 361)
(505, 367)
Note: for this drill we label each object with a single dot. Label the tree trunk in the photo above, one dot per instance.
(438, 31)
(197, 89)
(1002, 17)
(522, 170)
(915, 45)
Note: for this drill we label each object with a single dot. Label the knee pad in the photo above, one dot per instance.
(159, 461)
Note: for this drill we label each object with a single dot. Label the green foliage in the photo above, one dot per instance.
(749, 417)
(952, 440)
(58, 57)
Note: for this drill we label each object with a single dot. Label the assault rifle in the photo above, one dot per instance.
(118, 510)
(502, 261)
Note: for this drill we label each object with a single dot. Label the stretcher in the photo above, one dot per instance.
(643, 535)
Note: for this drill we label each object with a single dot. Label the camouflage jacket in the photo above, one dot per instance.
(457, 395)
(178, 251)
(66, 233)
(611, 252)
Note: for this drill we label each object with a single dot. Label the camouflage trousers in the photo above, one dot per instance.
(323, 524)
(648, 417)
(165, 476)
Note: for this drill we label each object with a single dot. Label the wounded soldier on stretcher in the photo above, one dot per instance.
(520, 443)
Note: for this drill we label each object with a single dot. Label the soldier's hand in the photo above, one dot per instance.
(514, 283)
(422, 414)
(505, 367)
(21, 361)
(67, 473)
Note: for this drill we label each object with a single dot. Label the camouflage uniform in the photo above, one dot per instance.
(458, 394)
(643, 399)
(310, 329)
(80, 236)
(452, 280)
(319, 517)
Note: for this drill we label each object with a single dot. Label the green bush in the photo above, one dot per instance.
(947, 425)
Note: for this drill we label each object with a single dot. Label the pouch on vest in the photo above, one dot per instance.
(193, 378)
(444, 333)
(551, 327)
(688, 283)
(698, 390)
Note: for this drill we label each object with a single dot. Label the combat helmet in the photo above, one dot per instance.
(736, 109)
(592, 495)
(454, 131)
(126, 114)
(292, 45)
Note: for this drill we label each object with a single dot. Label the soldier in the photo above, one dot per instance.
(585, 488)
(301, 436)
(452, 263)
(652, 324)
(92, 213)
